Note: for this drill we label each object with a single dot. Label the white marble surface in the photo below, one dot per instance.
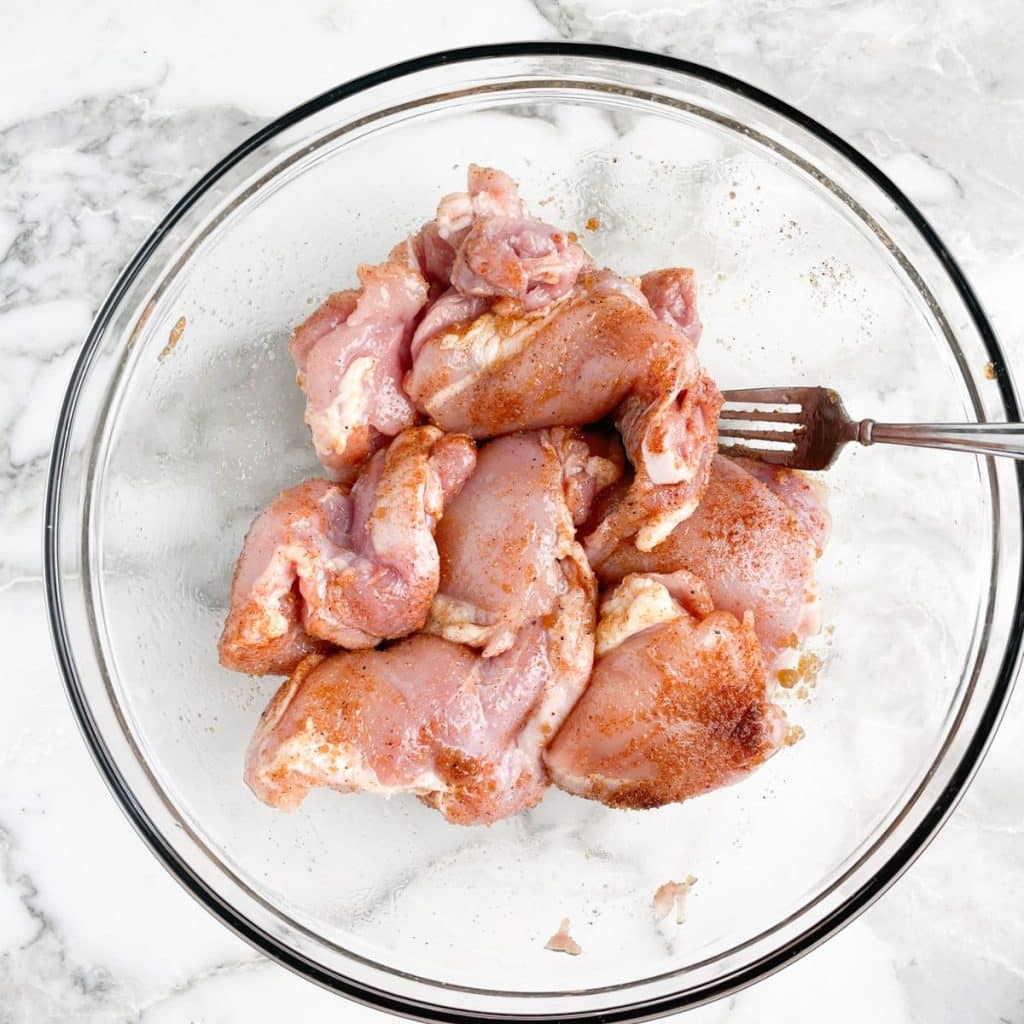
(107, 112)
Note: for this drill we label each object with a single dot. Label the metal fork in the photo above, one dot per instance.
(805, 428)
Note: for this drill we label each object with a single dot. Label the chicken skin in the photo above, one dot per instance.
(328, 564)
(677, 704)
(434, 717)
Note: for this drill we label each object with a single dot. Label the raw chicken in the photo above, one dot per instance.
(686, 426)
(513, 339)
(643, 600)
(672, 294)
(485, 244)
(752, 551)
(672, 896)
(492, 324)
(429, 255)
(673, 710)
(570, 364)
(263, 634)
(431, 717)
(503, 539)
(348, 566)
(352, 355)
(452, 310)
(599, 351)
(563, 942)
(804, 495)
(489, 193)
(517, 258)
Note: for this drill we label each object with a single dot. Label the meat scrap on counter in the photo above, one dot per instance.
(672, 895)
(527, 563)
(563, 942)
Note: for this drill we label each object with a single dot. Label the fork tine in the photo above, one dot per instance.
(771, 396)
(774, 456)
(760, 435)
(760, 415)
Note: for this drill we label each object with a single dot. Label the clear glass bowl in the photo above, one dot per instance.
(183, 419)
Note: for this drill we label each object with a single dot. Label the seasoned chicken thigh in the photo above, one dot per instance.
(484, 243)
(503, 539)
(599, 351)
(570, 363)
(655, 503)
(430, 717)
(346, 566)
(677, 704)
(352, 355)
(753, 552)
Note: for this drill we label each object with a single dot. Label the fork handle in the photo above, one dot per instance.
(980, 438)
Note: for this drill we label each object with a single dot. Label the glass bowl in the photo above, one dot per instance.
(183, 419)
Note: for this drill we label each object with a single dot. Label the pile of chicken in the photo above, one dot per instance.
(528, 563)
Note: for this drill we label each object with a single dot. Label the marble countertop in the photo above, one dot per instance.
(109, 121)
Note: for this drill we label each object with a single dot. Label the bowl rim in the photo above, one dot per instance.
(189, 879)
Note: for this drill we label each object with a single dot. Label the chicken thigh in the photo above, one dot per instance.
(351, 356)
(326, 563)
(430, 717)
(599, 351)
(485, 245)
(677, 704)
(753, 552)
(504, 537)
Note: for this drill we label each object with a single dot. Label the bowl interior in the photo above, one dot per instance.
(201, 425)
